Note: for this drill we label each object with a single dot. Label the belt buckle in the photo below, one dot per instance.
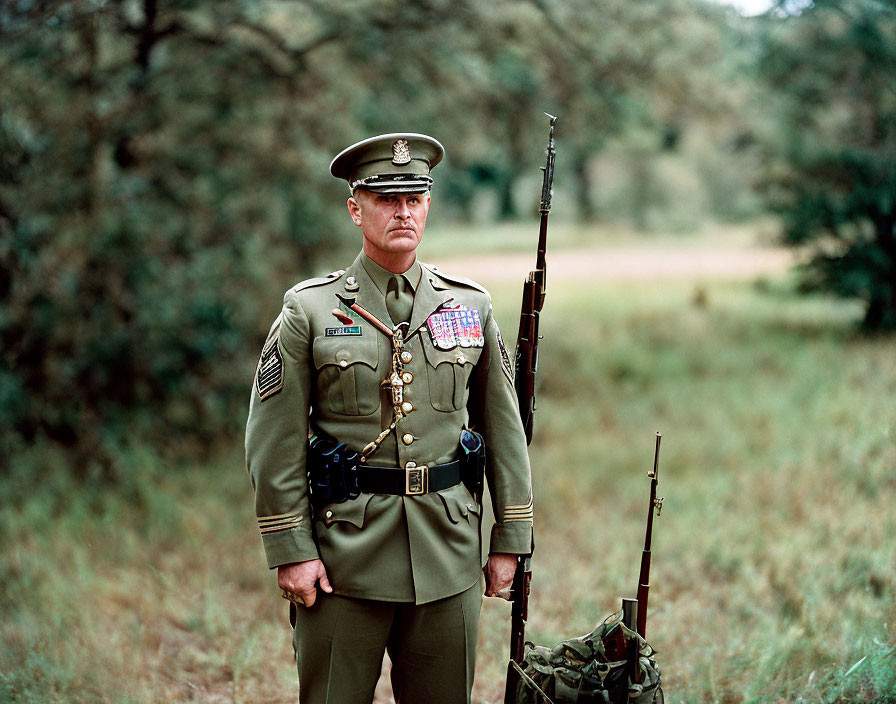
(416, 479)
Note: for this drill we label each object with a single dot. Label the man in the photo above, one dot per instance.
(384, 366)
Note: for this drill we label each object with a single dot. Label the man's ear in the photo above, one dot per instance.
(354, 209)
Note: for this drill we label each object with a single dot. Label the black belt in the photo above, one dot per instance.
(411, 480)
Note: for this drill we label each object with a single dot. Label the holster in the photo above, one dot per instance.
(332, 472)
(471, 453)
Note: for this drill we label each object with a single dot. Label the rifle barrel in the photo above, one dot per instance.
(644, 576)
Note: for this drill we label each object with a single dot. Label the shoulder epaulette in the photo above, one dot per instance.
(319, 281)
(462, 280)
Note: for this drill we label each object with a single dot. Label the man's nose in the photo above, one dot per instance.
(401, 209)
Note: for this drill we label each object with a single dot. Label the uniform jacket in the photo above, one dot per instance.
(311, 375)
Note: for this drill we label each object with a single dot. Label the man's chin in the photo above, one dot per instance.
(403, 242)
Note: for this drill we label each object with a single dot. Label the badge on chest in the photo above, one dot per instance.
(455, 327)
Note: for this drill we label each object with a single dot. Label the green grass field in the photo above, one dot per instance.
(774, 559)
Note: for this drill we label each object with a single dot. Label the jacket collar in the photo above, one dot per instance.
(381, 276)
(429, 296)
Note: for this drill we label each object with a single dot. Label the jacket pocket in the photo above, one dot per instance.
(448, 374)
(347, 380)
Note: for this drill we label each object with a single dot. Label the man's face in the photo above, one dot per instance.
(391, 223)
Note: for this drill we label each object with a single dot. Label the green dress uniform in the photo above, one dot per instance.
(331, 367)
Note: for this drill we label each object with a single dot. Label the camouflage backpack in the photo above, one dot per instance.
(609, 665)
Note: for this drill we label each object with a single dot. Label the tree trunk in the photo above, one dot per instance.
(583, 187)
(881, 311)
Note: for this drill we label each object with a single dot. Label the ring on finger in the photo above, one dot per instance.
(292, 596)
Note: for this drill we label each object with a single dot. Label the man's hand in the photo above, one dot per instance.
(499, 572)
(300, 578)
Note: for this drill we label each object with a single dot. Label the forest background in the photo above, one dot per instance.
(163, 179)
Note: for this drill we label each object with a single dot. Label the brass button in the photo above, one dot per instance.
(407, 438)
(410, 465)
(407, 377)
(461, 359)
(351, 284)
(407, 407)
(406, 356)
(343, 363)
(351, 280)
(329, 514)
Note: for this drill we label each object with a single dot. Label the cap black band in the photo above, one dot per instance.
(394, 181)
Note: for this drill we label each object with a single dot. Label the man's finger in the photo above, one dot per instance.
(325, 582)
(309, 597)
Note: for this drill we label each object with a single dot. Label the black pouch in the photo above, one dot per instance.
(471, 452)
(332, 472)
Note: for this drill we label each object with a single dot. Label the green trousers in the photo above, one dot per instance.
(340, 644)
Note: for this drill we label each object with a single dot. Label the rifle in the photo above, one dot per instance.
(525, 367)
(644, 577)
(526, 357)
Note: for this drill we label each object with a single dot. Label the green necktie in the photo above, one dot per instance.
(399, 299)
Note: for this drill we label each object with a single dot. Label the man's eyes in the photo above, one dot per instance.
(391, 200)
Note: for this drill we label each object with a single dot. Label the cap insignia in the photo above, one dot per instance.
(400, 152)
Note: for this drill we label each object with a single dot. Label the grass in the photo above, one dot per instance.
(773, 560)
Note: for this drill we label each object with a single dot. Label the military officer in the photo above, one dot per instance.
(374, 373)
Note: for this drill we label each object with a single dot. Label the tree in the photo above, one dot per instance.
(147, 204)
(831, 70)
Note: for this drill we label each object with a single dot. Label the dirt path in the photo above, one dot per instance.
(634, 262)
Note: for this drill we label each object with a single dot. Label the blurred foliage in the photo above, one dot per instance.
(831, 73)
(164, 178)
(163, 171)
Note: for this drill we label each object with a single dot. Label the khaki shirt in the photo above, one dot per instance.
(315, 373)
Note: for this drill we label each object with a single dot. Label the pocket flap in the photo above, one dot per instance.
(459, 503)
(345, 351)
(457, 355)
(351, 511)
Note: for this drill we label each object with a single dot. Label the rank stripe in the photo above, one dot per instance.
(287, 521)
(278, 529)
(269, 375)
(281, 526)
(297, 519)
(520, 507)
(516, 507)
(511, 507)
(278, 517)
(518, 520)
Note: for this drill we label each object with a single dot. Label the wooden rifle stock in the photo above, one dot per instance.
(519, 614)
(644, 577)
